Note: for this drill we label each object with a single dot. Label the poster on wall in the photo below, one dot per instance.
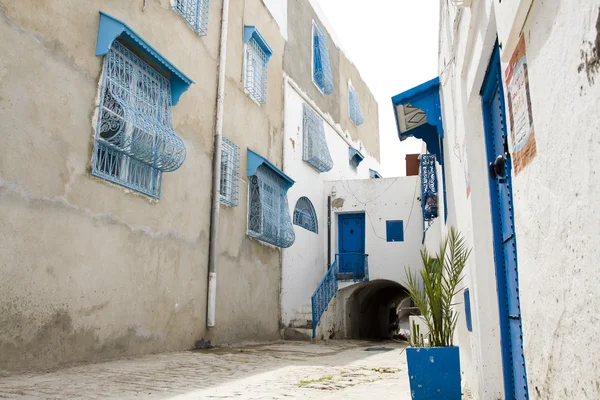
(522, 135)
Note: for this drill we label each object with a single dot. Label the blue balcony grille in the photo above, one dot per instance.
(354, 106)
(230, 173)
(429, 189)
(321, 65)
(269, 216)
(195, 13)
(305, 215)
(255, 81)
(353, 267)
(322, 296)
(134, 137)
(315, 150)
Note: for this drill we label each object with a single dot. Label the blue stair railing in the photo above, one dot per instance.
(322, 296)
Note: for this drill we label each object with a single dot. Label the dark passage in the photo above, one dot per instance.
(372, 310)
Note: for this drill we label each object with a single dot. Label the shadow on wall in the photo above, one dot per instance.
(371, 309)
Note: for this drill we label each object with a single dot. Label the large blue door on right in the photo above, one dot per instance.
(351, 245)
(505, 245)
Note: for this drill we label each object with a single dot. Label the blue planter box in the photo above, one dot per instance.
(434, 373)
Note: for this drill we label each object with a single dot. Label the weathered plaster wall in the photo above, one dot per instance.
(554, 196)
(297, 64)
(89, 270)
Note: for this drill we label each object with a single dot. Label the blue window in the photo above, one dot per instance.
(429, 191)
(468, 310)
(374, 174)
(195, 13)
(354, 106)
(256, 57)
(355, 158)
(322, 75)
(135, 141)
(230, 173)
(268, 212)
(315, 150)
(305, 215)
(394, 231)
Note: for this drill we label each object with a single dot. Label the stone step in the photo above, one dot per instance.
(301, 323)
(297, 334)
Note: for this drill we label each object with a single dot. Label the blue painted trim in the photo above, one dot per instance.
(394, 231)
(468, 310)
(255, 160)
(111, 28)
(374, 174)
(353, 153)
(250, 32)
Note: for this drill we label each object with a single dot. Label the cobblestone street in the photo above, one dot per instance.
(280, 370)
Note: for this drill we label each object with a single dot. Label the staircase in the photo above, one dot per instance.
(322, 296)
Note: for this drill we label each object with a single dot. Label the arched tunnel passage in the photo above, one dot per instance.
(372, 310)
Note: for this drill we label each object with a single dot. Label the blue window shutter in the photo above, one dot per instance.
(394, 231)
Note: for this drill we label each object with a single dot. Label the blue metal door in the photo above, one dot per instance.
(505, 245)
(351, 244)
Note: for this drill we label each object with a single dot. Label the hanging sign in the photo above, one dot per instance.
(522, 135)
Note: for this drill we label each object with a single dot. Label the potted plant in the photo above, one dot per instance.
(433, 360)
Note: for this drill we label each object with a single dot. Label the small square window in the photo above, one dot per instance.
(394, 231)
(230, 173)
(195, 13)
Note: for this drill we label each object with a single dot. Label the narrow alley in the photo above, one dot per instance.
(278, 370)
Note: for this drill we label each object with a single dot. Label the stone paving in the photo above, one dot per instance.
(279, 370)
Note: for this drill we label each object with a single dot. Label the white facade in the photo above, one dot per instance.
(555, 196)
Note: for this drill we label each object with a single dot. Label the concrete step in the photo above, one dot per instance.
(297, 334)
(301, 323)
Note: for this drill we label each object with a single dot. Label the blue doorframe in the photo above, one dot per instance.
(504, 239)
(351, 244)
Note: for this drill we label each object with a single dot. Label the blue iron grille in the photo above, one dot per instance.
(321, 65)
(315, 150)
(354, 106)
(305, 215)
(268, 212)
(230, 173)
(195, 13)
(256, 71)
(429, 191)
(135, 141)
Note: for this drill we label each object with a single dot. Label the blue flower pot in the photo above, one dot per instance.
(434, 373)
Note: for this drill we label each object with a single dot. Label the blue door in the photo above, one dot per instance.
(505, 245)
(351, 245)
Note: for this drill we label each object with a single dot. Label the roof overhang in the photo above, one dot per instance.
(255, 160)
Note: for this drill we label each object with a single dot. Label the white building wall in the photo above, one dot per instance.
(555, 196)
(304, 264)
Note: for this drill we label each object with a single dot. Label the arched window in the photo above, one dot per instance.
(305, 215)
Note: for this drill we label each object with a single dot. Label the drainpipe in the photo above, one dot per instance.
(216, 183)
(328, 232)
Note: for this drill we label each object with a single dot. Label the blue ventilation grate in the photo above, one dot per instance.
(354, 106)
(315, 150)
(305, 215)
(321, 65)
(429, 190)
(255, 80)
(195, 13)
(230, 173)
(322, 296)
(135, 140)
(268, 212)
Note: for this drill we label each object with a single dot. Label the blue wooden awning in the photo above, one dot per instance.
(111, 28)
(255, 160)
(419, 114)
(250, 32)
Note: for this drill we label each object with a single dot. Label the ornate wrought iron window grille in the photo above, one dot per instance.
(255, 79)
(195, 13)
(354, 106)
(429, 190)
(305, 215)
(315, 150)
(268, 211)
(322, 75)
(230, 173)
(135, 141)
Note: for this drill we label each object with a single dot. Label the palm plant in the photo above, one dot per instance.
(433, 294)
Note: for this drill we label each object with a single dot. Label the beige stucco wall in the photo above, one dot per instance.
(90, 270)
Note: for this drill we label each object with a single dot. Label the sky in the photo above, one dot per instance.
(394, 45)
